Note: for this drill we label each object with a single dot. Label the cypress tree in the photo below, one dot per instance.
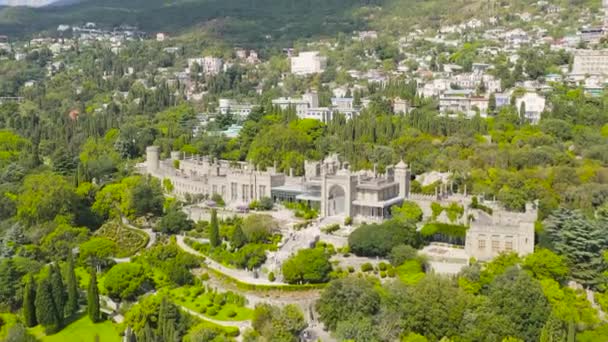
(9, 282)
(168, 318)
(29, 303)
(46, 312)
(93, 298)
(571, 332)
(58, 291)
(214, 230)
(238, 237)
(71, 306)
(522, 112)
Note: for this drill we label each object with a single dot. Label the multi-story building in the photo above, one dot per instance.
(335, 190)
(534, 105)
(328, 185)
(590, 63)
(209, 65)
(241, 110)
(307, 107)
(501, 232)
(307, 63)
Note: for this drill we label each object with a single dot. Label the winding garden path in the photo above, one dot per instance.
(242, 275)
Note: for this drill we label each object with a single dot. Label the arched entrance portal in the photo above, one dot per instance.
(335, 201)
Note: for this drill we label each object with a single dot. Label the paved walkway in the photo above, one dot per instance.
(242, 325)
(242, 275)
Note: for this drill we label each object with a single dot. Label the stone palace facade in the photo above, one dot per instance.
(328, 185)
(335, 190)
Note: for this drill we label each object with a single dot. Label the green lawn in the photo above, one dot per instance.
(194, 298)
(81, 330)
(410, 272)
(8, 320)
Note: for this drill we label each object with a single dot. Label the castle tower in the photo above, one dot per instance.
(152, 158)
(402, 176)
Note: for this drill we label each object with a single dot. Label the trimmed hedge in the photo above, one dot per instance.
(257, 287)
(443, 232)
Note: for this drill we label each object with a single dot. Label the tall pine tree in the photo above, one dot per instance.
(93, 299)
(46, 312)
(71, 306)
(58, 290)
(581, 241)
(9, 283)
(214, 230)
(29, 303)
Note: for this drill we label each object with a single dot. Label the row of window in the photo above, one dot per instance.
(495, 244)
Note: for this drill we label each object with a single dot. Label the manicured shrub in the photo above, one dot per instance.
(219, 300)
(271, 276)
(332, 228)
(351, 269)
(348, 221)
(382, 266)
(231, 313)
(382, 274)
(366, 267)
(391, 272)
(212, 311)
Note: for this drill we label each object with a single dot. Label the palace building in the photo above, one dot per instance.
(328, 185)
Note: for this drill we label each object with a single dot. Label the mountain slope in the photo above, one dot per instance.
(239, 20)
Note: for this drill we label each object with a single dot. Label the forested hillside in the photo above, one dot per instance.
(241, 20)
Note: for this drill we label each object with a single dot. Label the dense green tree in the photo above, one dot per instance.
(174, 221)
(71, 305)
(9, 283)
(58, 290)
(379, 239)
(93, 306)
(357, 328)
(29, 305)
(125, 281)
(518, 297)
(347, 297)
(408, 211)
(543, 263)
(214, 230)
(259, 227)
(307, 266)
(44, 196)
(97, 251)
(278, 324)
(554, 330)
(402, 253)
(434, 307)
(46, 311)
(169, 322)
(238, 238)
(581, 242)
(147, 197)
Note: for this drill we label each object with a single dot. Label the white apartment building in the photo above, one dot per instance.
(462, 101)
(241, 110)
(308, 63)
(590, 63)
(474, 80)
(210, 65)
(534, 105)
(301, 105)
